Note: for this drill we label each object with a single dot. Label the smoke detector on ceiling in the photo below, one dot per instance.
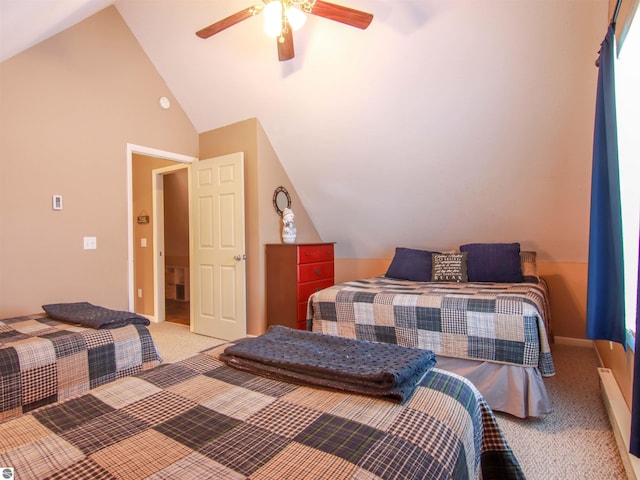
(165, 103)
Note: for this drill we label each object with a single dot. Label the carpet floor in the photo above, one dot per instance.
(575, 442)
(176, 342)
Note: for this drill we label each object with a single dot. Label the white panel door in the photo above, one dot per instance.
(218, 300)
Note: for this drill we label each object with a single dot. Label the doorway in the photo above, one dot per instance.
(217, 289)
(145, 279)
(171, 243)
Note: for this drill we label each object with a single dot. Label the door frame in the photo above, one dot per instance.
(150, 152)
(159, 254)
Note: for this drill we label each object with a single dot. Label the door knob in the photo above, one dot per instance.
(240, 257)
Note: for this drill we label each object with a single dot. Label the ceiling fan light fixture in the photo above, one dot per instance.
(296, 18)
(272, 18)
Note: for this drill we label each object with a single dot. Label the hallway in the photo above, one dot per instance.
(177, 312)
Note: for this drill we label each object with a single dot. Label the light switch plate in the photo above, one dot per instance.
(90, 243)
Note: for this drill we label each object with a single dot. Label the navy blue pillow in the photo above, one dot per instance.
(493, 262)
(410, 264)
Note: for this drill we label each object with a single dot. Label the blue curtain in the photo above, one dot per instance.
(605, 285)
(634, 444)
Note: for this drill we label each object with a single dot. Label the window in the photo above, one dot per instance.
(627, 72)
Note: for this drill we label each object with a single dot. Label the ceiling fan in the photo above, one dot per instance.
(283, 16)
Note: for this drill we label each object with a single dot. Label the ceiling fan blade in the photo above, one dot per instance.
(285, 47)
(338, 13)
(226, 22)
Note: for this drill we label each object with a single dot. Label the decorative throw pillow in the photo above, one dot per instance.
(529, 267)
(449, 267)
(410, 264)
(493, 262)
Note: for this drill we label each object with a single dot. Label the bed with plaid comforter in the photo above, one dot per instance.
(44, 360)
(495, 322)
(200, 418)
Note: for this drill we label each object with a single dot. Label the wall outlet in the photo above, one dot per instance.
(139, 293)
(90, 243)
(143, 242)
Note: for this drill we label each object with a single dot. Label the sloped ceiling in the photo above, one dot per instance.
(444, 122)
(25, 23)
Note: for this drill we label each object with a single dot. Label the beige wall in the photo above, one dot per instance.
(263, 174)
(69, 106)
(142, 202)
(567, 284)
(176, 218)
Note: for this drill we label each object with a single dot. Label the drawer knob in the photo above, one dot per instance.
(318, 271)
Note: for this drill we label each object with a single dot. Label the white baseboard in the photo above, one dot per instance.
(575, 342)
(620, 418)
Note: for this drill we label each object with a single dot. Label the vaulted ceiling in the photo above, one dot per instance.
(444, 122)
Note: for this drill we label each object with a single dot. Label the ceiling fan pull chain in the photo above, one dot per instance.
(284, 31)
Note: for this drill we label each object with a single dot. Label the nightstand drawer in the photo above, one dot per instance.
(315, 253)
(306, 289)
(310, 272)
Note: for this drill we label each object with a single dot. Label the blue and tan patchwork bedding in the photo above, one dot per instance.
(497, 322)
(43, 360)
(200, 418)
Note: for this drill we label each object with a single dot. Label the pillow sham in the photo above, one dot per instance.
(449, 267)
(410, 264)
(529, 267)
(493, 262)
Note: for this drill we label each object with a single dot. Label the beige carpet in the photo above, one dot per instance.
(575, 442)
(176, 342)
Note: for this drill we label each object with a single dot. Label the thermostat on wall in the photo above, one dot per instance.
(57, 202)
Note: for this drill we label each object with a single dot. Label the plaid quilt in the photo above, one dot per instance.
(44, 360)
(496, 322)
(199, 418)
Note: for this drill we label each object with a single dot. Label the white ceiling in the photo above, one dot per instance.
(23, 23)
(388, 133)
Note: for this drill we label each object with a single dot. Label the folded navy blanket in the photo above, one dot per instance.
(376, 369)
(92, 316)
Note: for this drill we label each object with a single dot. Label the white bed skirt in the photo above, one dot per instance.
(519, 391)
